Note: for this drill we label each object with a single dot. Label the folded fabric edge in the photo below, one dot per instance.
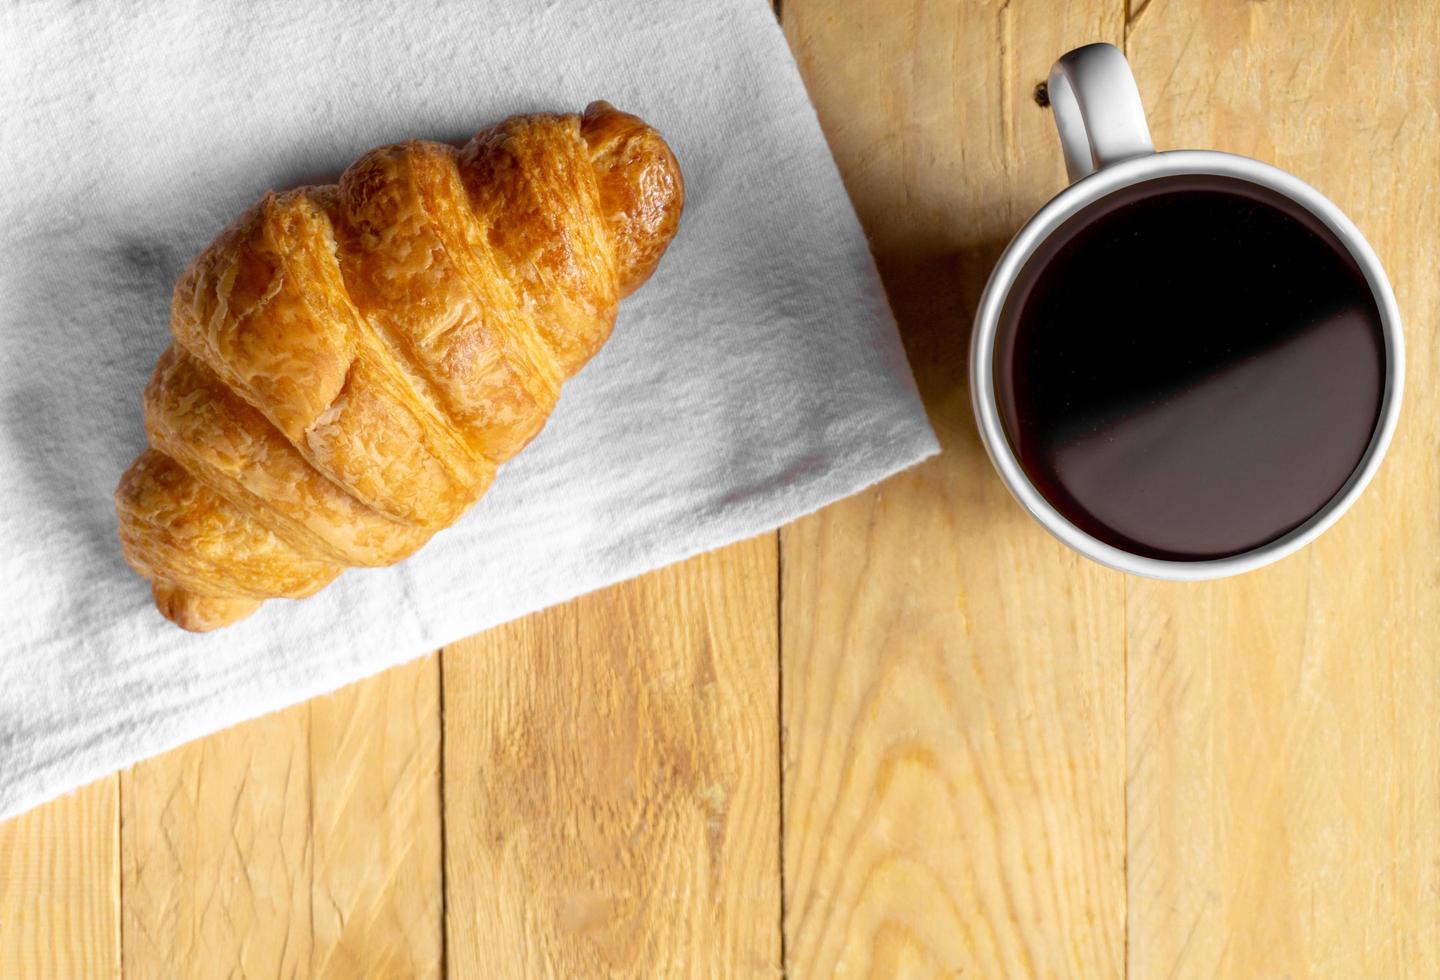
(105, 753)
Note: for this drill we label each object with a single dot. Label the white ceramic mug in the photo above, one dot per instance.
(1107, 147)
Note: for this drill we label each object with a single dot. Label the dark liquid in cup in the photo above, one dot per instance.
(1190, 368)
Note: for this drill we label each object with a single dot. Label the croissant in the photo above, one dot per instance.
(351, 362)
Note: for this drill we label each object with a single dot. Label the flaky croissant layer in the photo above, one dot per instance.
(351, 362)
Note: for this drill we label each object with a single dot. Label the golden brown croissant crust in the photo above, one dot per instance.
(351, 362)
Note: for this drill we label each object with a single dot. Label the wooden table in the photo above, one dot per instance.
(909, 735)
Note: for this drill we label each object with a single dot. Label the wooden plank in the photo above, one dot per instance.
(60, 888)
(377, 902)
(305, 843)
(611, 781)
(953, 678)
(1284, 776)
(216, 855)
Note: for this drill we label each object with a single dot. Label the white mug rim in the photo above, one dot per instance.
(1087, 191)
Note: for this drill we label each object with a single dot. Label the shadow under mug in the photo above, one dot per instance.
(1107, 147)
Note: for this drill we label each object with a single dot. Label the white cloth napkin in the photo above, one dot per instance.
(755, 378)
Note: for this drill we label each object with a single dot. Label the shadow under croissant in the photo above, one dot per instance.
(70, 442)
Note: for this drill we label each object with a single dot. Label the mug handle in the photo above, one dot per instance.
(1097, 110)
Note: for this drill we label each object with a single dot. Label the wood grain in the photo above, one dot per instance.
(305, 843)
(999, 760)
(611, 781)
(1284, 779)
(60, 888)
(953, 678)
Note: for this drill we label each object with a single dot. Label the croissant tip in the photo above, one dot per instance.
(600, 109)
(200, 613)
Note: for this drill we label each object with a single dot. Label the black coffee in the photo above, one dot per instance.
(1190, 368)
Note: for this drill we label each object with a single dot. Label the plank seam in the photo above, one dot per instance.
(444, 830)
(1125, 773)
(780, 727)
(309, 828)
(119, 877)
